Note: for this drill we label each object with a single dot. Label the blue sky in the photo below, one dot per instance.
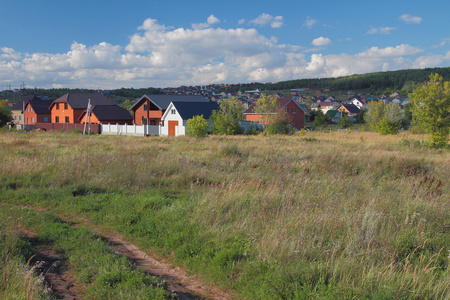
(107, 44)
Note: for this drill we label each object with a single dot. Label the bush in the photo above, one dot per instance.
(196, 127)
(387, 127)
(279, 126)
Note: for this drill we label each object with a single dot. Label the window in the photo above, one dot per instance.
(31, 109)
(66, 106)
(294, 110)
(20, 118)
(45, 119)
(145, 106)
(173, 111)
(57, 107)
(15, 118)
(32, 119)
(287, 110)
(56, 119)
(67, 119)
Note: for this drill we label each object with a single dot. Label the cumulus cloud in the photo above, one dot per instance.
(410, 19)
(310, 22)
(321, 41)
(265, 19)
(210, 21)
(161, 56)
(381, 30)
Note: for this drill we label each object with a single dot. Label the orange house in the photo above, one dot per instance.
(149, 109)
(105, 114)
(69, 107)
(36, 110)
(289, 107)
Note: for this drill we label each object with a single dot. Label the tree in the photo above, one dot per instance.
(5, 114)
(431, 109)
(374, 114)
(320, 118)
(344, 122)
(384, 118)
(196, 126)
(280, 126)
(226, 120)
(267, 107)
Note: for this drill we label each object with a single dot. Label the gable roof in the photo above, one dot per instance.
(351, 108)
(281, 103)
(39, 106)
(80, 100)
(187, 110)
(163, 101)
(21, 104)
(109, 113)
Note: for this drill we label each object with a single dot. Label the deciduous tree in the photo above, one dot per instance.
(431, 109)
(226, 120)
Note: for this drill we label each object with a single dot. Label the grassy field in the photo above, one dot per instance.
(318, 215)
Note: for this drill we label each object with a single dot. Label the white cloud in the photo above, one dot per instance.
(241, 21)
(381, 30)
(410, 19)
(321, 41)
(210, 21)
(265, 19)
(310, 22)
(161, 56)
(442, 43)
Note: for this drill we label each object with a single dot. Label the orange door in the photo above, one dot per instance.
(172, 125)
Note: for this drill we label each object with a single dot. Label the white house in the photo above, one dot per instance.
(177, 113)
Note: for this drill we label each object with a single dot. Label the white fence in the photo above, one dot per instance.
(137, 130)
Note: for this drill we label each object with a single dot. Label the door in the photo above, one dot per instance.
(172, 125)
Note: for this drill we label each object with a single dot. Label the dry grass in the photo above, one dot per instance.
(361, 209)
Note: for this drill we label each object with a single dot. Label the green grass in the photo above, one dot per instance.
(317, 215)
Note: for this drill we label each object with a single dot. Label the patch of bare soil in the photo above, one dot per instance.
(186, 287)
(178, 281)
(51, 270)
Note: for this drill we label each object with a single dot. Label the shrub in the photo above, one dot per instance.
(279, 126)
(196, 126)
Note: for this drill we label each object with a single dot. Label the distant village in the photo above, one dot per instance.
(167, 113)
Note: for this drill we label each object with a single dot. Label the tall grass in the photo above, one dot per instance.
(324, 215)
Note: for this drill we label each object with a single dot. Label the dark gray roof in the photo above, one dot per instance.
(163, 101)
(21, 104)
(111, 113)
(189, 109)
(80, 101)
(39, 106)
(351, 108)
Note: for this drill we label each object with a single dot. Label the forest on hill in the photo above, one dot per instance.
(374, 83)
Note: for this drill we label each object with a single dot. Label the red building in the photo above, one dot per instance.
(287, 106)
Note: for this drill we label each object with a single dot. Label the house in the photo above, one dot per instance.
(36, 110)
(18, 109)
(350, 109)
(149, 109)
(326, 106)
(177, 114)
(69, 107)
(291, 108)
(104, 114)
(358, 103)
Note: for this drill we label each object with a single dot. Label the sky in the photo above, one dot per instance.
(135, 44)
